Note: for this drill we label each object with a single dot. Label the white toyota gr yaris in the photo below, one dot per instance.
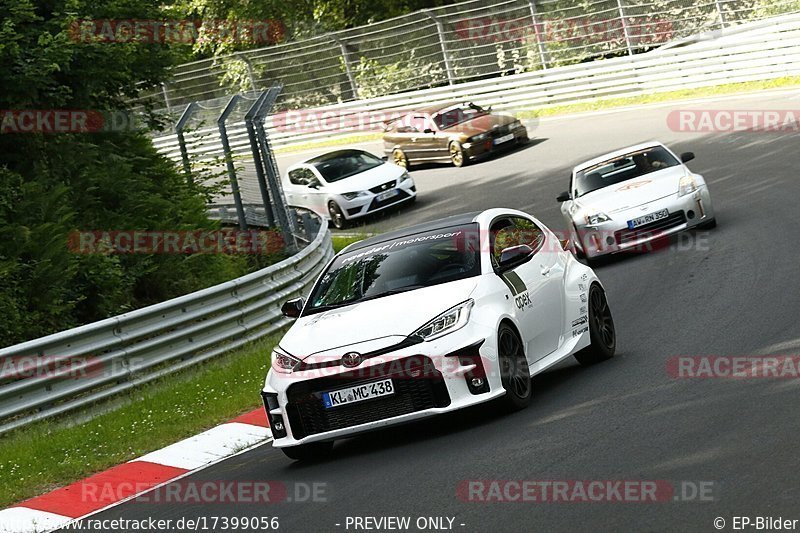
(430, 319)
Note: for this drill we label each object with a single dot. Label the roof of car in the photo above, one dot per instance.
(615, 153)
(336, 154)
(447, 222)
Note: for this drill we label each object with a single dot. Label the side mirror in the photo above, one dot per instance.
(563, 197)
(314, 185)
(292, 308)
(427, 130)
(514, 255)
(686, 157)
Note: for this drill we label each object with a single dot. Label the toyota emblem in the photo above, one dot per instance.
(351, 359)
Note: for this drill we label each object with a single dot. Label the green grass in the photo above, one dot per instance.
(595, 105)
(47, 455)
(339, 242)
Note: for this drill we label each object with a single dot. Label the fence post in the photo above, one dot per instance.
(625, 28)
(257, 161)
(538, 33)
(226, 149)
(187, 113)
(722, 20)
(347, 66)
(166, 97)
(443, 45)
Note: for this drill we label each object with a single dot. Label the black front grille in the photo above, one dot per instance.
(417, 386)
(384, 187)
(376, 204)
(652, 229)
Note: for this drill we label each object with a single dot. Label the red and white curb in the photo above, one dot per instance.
(60, 507)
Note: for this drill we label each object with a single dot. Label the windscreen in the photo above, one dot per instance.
(408, 263)
(457, 115)
(623, 168)
(346, 163)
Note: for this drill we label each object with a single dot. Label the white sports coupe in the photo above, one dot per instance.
(622, 200)
(347, 184)
(430, 319)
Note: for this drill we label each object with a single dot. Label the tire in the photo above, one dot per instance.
(514, 371)
(315, 451)
(602, 333)
(711, 224)
(336, 215)
(457, 154)
(400, 158)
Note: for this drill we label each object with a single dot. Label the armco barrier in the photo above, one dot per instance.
(753, 51)
(125, 351)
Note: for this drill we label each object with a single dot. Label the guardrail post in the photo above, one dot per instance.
(537, 32)
(625, 27)
(251, 133)
(187, 113)
(347, 66)
(722, 21)
(226, 149)
(443, 45)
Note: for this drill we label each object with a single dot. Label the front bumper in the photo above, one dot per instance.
(477, 150)
(365, 205)
(614, 236)
(429, 378)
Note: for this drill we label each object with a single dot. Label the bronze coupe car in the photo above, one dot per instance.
(455, 132)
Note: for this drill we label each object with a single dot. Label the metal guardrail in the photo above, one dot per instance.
(119, 353)
(755, 51)
(452, 44)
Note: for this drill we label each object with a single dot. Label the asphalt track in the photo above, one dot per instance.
(731, 291)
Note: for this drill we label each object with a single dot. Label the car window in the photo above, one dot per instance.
(514, 231)
(457, 115)
(623, 168)
(302, 176)
(407, 263)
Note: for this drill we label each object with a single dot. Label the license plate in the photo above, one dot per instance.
(504, 138)
(647, 219)
(359, 393)
(388, 194)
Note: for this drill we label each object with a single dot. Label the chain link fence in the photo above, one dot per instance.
(462, 42)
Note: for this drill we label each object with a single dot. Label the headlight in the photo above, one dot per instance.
(479, 137)
(448, 322)
(351, 195)
(403, 177)
(283, 362)
(596, 218)
(687, 185)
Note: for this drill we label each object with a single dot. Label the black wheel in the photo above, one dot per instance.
(711, 224)
(457, 154)
(601, 330)
(336, 215)
(399, 158)
(514, 372)
(309, 452)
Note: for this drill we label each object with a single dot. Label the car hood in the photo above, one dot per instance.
(373, 324)
(481, 124)
(634, 192)
(366, 180)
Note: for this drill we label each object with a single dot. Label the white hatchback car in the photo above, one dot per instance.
(431, 319)
(347, 184)
(622, 200)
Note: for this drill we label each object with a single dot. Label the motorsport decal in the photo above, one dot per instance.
(581, 331)
(523, 301)
(402, 242)
(580, 321)
(583, 297)
(514, 283)
(582, 310)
